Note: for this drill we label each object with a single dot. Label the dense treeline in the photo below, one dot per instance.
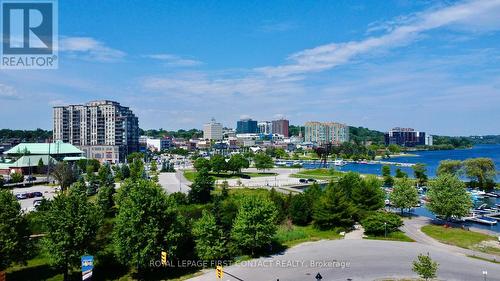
(185, 134)
(38, 135)
(453, 142)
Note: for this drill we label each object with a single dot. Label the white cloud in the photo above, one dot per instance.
(471, 16)
(174, 60)
(89, 48)
(8, 92)
(271, 27)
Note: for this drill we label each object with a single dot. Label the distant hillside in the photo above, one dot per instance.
(362, 135)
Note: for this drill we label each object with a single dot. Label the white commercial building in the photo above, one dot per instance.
(212, 131)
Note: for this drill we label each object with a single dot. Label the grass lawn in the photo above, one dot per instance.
(392, 236)
(298, 234)
(36, 269)
(190, 175)
(321, 174)
(462, 238)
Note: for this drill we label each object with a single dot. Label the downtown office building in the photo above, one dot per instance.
(103, 129)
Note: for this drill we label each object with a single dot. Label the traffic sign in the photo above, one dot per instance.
(87, 267)
(318, 276)
(219, 273)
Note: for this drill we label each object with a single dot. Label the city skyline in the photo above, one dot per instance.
(422, 64)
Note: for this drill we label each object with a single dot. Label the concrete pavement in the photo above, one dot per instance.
(27, 204)
(174, 182)
(358, 260)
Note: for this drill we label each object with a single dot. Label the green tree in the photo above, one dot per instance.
(349, 182)
(279, 203)
(300, 210)
(237, 162)
(380, 223)
(40, 166)
(404, 195)
(2, 181)
(225, 189)
(202, 163)
(146, 223)
(255, 224)
(400, 174)
(14, 231)
(425, 267)
(263, 162)
(481, 171)
(334, 209)
(71, 223)
(369, 196)
(201, 188)
(125, 171)
(218, 163)
(420, 173)
(453, 167)
(105, 176)
(136, 169)
(91, 179)
(386, 174)
(65, 174)
(209, 238)
(154, 171)
(16, 177)
(448, 197)
(105, 200)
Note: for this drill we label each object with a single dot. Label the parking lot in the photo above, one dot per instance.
(47, 192)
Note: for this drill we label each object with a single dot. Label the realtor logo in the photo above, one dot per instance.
(29, 34)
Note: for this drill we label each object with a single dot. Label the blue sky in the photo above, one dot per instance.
(431, 65)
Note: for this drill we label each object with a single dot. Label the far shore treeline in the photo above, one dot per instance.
(358, 135)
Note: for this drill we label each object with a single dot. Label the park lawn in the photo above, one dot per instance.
(190, 175)
(289, 237)
(318, 174)
(37, 268)
(461, 238)
(392, 236)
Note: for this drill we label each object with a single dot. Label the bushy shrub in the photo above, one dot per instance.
(374, 223)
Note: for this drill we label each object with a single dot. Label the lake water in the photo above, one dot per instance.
(431, 159)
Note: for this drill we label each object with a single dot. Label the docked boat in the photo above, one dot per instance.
(481, 219)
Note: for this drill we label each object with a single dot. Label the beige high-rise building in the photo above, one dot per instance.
(104, 130)
(212, 130)
(326, 132)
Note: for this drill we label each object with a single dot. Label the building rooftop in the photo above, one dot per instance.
(44, 148)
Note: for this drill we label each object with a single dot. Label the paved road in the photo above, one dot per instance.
(358, 260)
(412, 228)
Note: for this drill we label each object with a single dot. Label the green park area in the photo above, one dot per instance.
(190, 175)
(319, 174)
(463, 238)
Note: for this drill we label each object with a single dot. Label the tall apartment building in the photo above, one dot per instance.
(104, 129)
(247, 126)
(212, 131)
(326, 132)
(280, 127)
(265, 127)
(407, 137)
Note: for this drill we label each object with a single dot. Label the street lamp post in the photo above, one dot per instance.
(385, 229)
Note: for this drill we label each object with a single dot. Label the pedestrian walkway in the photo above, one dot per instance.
(356, 234)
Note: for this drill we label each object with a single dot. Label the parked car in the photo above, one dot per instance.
(21, 196)
(37, 203)
(38, 194)
(30, 195)
(245, 176)
(30, 178)
(303, 181)
(311, 180)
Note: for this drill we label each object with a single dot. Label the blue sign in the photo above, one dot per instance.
(87, 266)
